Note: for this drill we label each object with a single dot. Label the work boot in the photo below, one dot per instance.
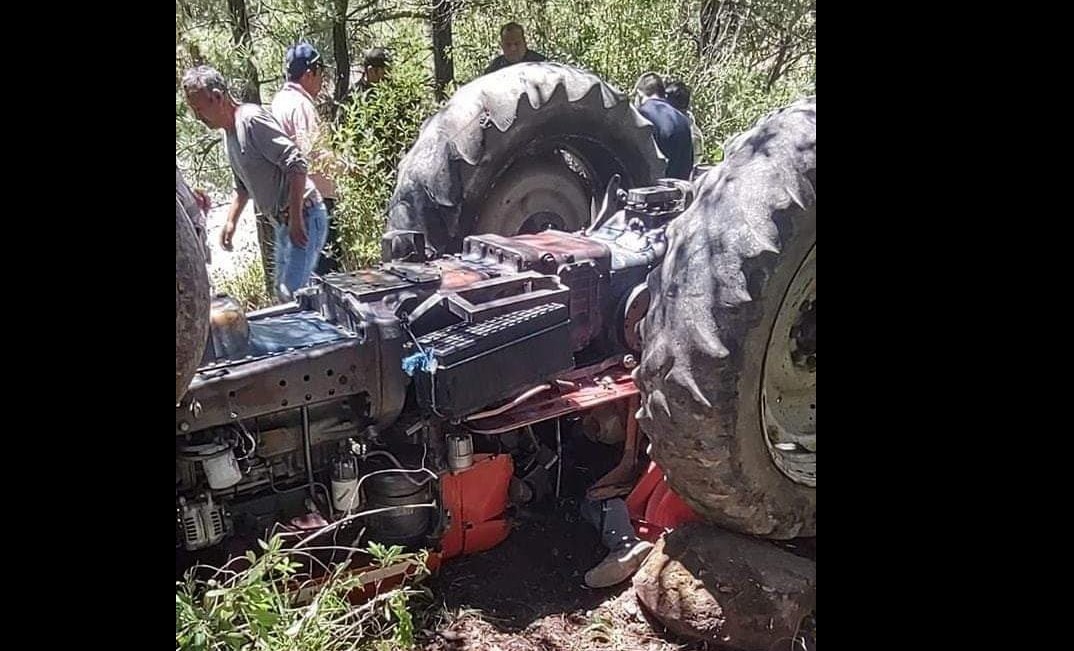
(618, 566)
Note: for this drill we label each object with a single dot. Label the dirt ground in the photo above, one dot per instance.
(528, 594)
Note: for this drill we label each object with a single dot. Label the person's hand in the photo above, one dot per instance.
(226, 234)
(203, 201)
(298, 233)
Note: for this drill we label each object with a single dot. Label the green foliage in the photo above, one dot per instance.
(246, 285)
(757, 56)
(619, 40)
(375, 131)
(741, 58)
(259, 607)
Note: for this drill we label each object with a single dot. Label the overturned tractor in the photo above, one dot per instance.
(416, 402)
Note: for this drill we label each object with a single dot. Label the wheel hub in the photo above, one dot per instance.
(789, 380)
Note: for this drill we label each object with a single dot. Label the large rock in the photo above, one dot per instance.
(705, 583)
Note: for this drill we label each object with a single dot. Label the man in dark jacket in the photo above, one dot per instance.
(515, 50)
(671, 128)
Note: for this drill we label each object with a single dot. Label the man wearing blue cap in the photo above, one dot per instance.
(294, 108)
(268, 166)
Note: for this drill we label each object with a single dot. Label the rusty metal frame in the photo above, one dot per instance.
(229, 392)
(594, 385)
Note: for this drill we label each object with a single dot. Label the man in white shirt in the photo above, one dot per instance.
(295, 110)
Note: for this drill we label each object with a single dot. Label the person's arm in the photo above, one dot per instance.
(698, 138)
(311, 142)
(238, 204)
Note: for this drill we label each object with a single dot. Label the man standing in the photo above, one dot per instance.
(375, 63)
(513, 44)
(375, 66)
(294, 108)
(670, 127)
(268, 166)
(678, 95)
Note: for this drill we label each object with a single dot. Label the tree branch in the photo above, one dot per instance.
(360, 8)
(277, 10)
(381, 18)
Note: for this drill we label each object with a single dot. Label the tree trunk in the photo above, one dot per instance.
(719, 18)
(777, 69)
(242, 38)
(813, 10)
(342, 54)
(443, 66)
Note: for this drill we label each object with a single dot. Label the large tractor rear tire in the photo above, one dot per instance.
(519, 150)
(729, 367)
(191, 301)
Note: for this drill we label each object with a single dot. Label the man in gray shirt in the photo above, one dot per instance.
(269, 167)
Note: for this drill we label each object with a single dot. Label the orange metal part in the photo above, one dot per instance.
(476, 499)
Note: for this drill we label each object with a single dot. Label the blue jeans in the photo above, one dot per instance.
(295, 264)
(612, 520)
